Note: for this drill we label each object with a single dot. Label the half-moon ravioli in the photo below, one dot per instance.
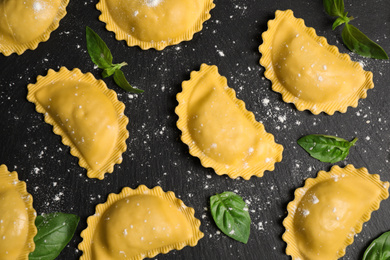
(309, 72)
(139, 223)
(154, 23)
(17, 217)
(86, 114)
(220, 131)
(26, 23)
(329, 210)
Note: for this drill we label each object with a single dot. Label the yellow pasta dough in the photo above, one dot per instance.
(309, 72)
(220, 131)
(139, 223)
(17, 217)
(26, 23)
(86, 114)
(329, 210)
(154, 23)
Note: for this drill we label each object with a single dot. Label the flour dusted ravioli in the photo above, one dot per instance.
(17, 217)
(26, 23)
(329, 210)
(86, 114)
(154, 23)
(139, 223)
(309, 72)
(220, 131)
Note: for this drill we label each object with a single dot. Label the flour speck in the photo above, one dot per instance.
(153, 3)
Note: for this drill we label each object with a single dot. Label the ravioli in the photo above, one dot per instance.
(154, 23)
(220, 131)
(17, 217)
(86, 114)
(329, 210)
(26, 23)
(309, 72)
(139, 223)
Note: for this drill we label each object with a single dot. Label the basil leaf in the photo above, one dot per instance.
(98, 51)
(359, 43)
(55, 230)
(121, 81)
(334, 7)
(379, 248)
(111, 70)
(108, 72)
(326, 148)
(231, 215)
(339, 21)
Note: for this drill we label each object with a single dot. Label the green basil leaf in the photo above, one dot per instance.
(98, 51)
(334, 7)
(231, 215)
(339, 21)
(111, 70)
(108, 72)
(55, 230)
(326, 148)
(359, 43)
(379, 248)
(121, 81)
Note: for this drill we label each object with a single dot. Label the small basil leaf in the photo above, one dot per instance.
(98, 51)
(121, 81)
(359, 43)
(339, 21)
(334, 7)
(231, 215)
(111, 70)
(379, 248)
(326, 148)
(108, 72)
(55, 230)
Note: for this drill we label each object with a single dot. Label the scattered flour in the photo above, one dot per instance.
(153, 3)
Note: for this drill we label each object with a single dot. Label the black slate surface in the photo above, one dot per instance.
(155, 154)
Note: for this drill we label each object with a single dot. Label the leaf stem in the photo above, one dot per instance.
(354, 141)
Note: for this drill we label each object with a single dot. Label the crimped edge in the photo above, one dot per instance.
(123, 134)
(266, 61)
(288, 236)
(92, 221)
(12, 178)
(160, 45)
(20, 48)
(220, 169)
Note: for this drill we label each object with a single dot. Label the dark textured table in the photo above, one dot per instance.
(155, 154)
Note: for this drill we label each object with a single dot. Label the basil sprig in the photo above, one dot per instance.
(353, 38)
(55, 230)
(326, 148)
(231, 215)
(101, 55)
(379, 248)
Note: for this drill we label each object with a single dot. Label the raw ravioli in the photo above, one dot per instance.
(86, 114)
(309, 72)
(329, 210)
(26, 23)
(139, 223)
(220, 131)
(154, 23)
(17, 217)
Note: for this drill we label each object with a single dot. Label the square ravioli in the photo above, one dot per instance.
(330, 210)
(309, 72)
(86, 114)
(220, 131)
(139, 223)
